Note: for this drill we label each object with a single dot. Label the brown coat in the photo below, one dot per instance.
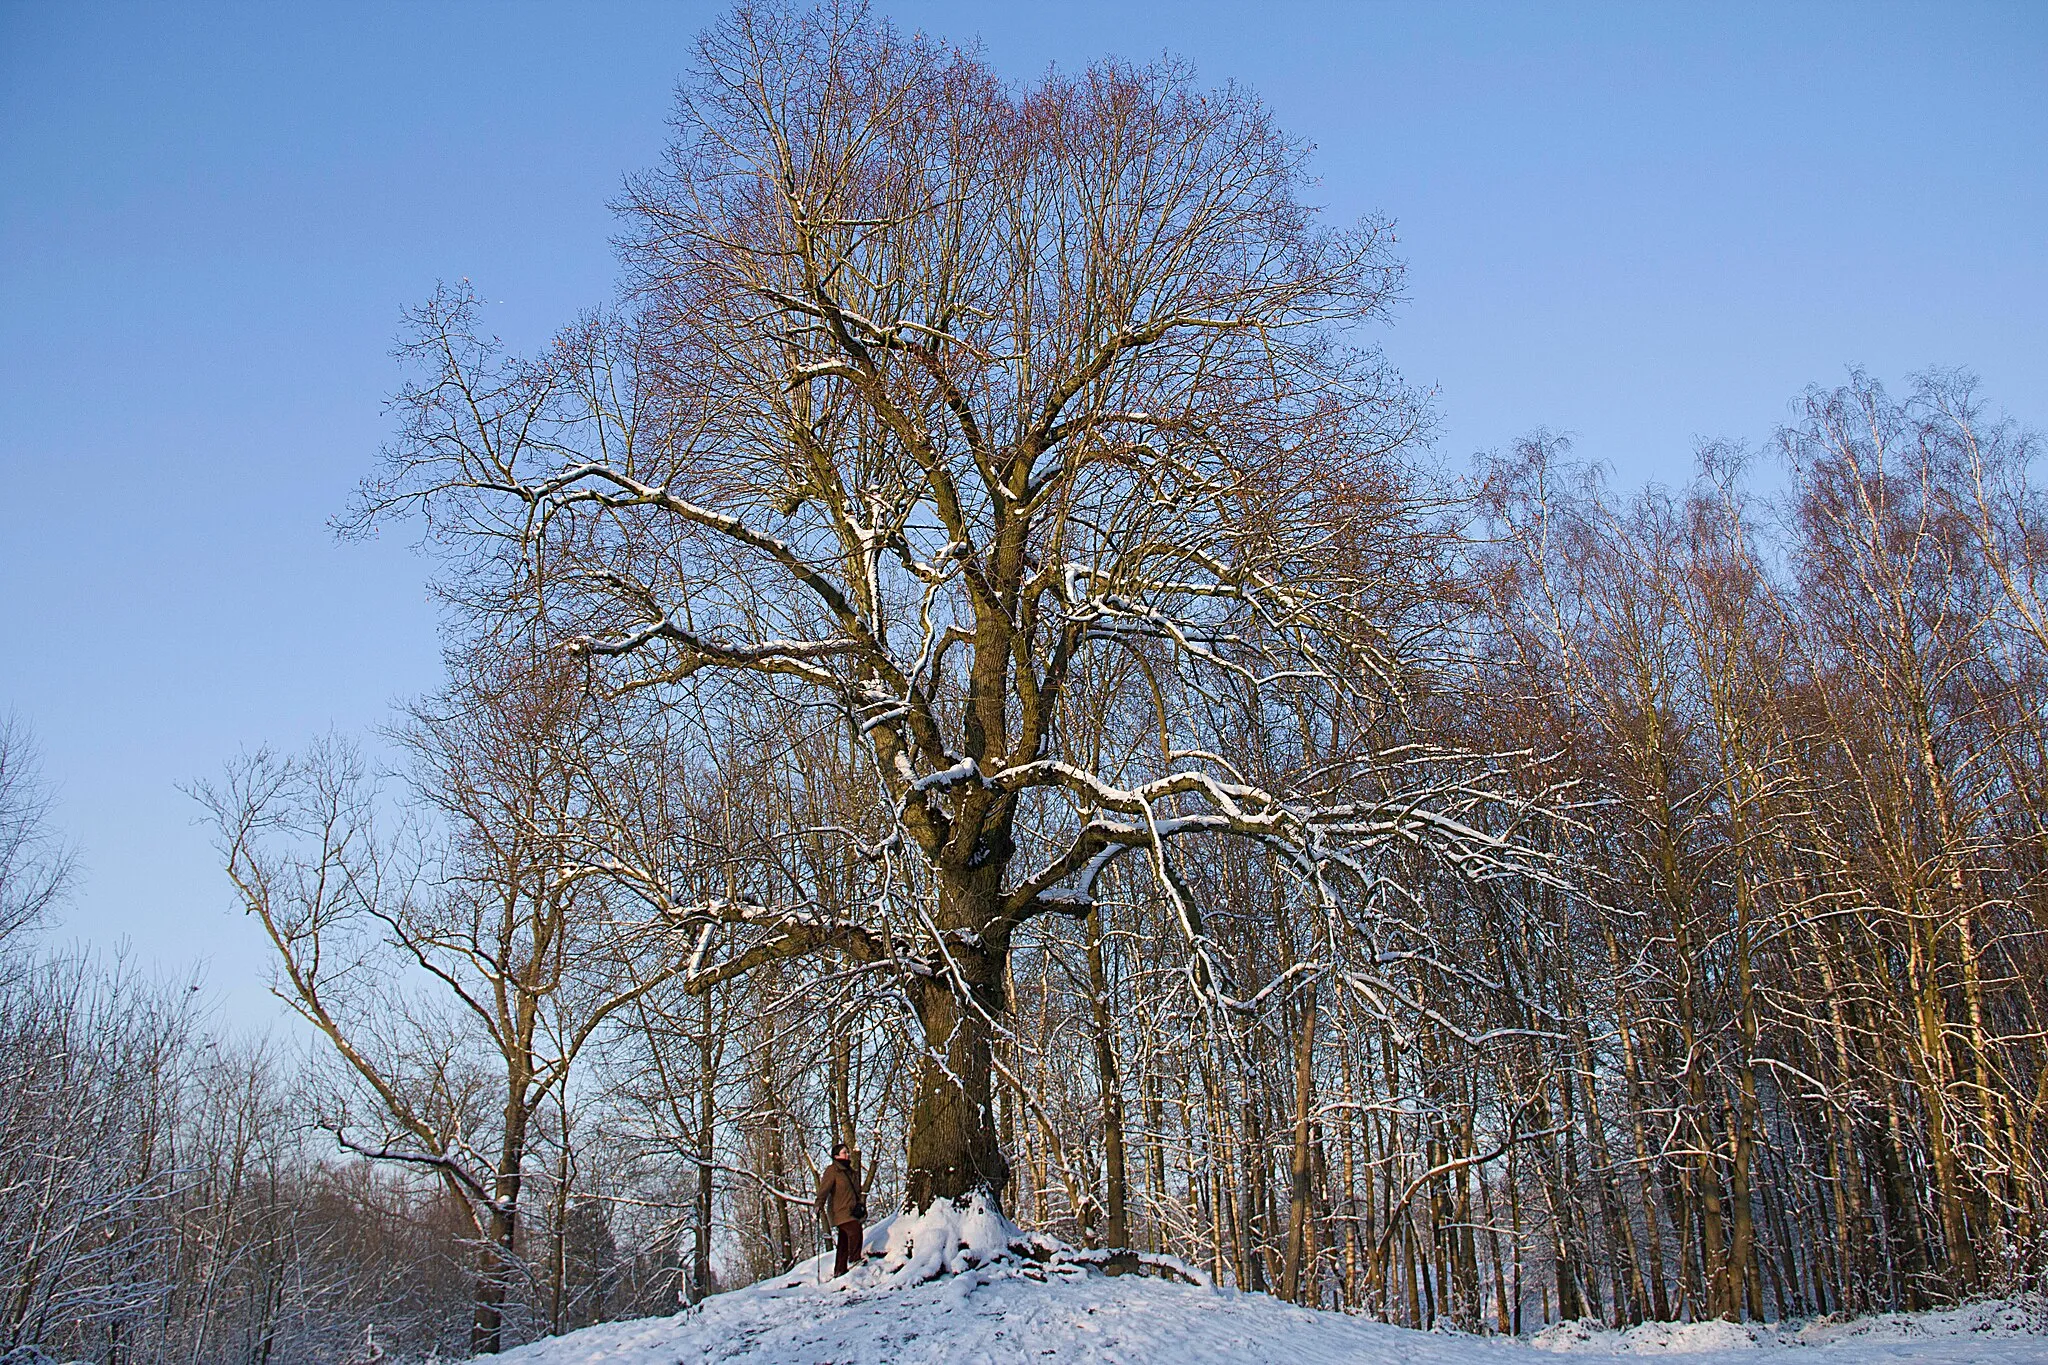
(839, 1196)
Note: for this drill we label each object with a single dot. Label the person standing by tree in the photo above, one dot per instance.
(842, 1207)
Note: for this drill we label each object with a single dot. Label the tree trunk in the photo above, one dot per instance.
(500, 1232)
(954, 1151)
(840, 1092)
(1109, 1081)
(487, 1320)
(1299, 1169)
(707, 1120)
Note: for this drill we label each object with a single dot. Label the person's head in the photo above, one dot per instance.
(842, 1152)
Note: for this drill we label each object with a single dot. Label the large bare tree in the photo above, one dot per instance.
(927, 390)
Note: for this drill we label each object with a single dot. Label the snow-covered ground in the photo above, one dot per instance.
(899, 1307)
(2005, 1330)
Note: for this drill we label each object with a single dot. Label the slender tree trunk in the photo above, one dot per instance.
(840, 1067)
(1660, 1304)
(1155, 1147)
(1109, 1084)
(707, 1119)
(1503, 1321)
(558, 1258)
(1853, 1234)
(1300, 1168)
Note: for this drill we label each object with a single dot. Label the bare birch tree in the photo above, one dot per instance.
(458, 970)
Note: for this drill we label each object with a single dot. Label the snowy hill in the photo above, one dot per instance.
(1000, 1303)
(1131, 1320)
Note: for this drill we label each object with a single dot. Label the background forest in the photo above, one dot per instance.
(1780, 1052)
(1471, 898)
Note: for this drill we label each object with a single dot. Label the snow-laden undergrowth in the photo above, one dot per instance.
(963, 1285)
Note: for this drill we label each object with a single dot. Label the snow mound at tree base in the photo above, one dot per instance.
(1003, 1304)
(974, 1236)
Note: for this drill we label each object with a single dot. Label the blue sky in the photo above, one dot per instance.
(1642, 224)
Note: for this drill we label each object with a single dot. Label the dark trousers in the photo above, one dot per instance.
(849, 1247)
